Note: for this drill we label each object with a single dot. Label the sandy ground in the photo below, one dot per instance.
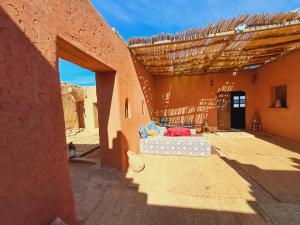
(85, 140)
(254, 181)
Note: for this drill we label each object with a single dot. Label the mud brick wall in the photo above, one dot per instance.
(34, 176)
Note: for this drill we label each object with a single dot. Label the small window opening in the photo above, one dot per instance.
(127, 109)
(279, 96)
(239, 101)
(143, 103)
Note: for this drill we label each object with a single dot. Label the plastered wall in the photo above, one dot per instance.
(70, 96)
(192, 98)
(35, 186)
(285, 71)
(70, 112)
(89, 113)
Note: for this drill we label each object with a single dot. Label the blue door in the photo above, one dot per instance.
(238, 110)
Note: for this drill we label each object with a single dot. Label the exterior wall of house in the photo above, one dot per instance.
(89, 112)
(71, 95)
(35, 186)
(70, 111)
(192, 98)
(285, 71)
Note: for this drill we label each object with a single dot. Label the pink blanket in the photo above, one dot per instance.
(178, 131)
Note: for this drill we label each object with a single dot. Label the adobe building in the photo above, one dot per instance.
(134, 85)
(91, 108)
(80, 106)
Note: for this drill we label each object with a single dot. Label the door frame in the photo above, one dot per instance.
(230, 110)
(223, 110)
(242, 109)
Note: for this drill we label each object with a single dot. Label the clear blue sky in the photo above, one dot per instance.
(148, 17)
(74, 74)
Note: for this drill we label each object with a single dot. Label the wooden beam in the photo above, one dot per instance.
(277, 48)
(261, 48)
(232, 53)
(195, 69)
(226, 33)
(187, 65)
(195, 46)
(198, 60)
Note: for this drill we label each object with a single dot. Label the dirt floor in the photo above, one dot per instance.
(95, 154)
(255, 180)
(85, 140)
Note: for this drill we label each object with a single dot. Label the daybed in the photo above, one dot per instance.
(164, 145)
(164, 141)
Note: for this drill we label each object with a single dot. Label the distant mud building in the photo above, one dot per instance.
(80, 106)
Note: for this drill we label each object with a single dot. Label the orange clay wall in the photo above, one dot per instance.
(192, 98)
(285, 71)
(34, 175)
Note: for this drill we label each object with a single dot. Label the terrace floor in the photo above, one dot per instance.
(85, 140)
(254, 180)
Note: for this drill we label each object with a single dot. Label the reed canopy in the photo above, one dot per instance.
(242, 43)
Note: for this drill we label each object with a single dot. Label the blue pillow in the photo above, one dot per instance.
(143, 132)
(152, 126)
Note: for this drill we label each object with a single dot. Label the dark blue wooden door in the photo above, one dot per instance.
(238, 110)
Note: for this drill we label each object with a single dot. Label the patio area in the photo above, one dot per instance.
(244, 184)
(237, 73)
(85, 140)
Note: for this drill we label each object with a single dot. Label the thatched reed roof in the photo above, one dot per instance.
(242, 43)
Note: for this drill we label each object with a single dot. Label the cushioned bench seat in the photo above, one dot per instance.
(163, 145)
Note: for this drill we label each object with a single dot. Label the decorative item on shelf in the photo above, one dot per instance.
(278, 103)
(72, 150)
(256, 123)
(136, 163)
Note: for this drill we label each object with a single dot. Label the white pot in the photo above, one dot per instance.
(136, 163)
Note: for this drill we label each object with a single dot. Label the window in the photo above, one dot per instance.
(143, 111)
(242, 101)
(239, 101)
(127, 109)
(279, 96)
(236, 101)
